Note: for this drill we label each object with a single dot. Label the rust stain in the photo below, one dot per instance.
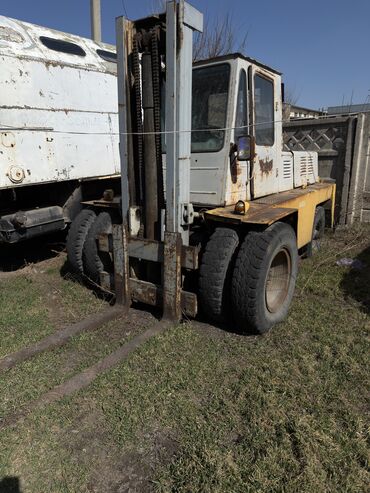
(266, 166)
(53, 63)
(9, 34)
(235, 171)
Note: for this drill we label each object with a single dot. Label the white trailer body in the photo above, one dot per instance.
(58, 118)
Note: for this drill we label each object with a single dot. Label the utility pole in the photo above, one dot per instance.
(95, 13)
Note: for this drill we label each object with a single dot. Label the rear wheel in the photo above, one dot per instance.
(214, 275)
(76, 238)
(318, 230)
(264, 278)
(95, 261)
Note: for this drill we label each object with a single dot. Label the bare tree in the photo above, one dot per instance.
(218, 36)
(291, 96)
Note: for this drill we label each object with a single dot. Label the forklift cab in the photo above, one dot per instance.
(235, 97)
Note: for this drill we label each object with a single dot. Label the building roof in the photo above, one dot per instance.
(350, 108)
(302, 109)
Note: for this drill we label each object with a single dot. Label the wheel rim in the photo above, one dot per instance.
(277, 281)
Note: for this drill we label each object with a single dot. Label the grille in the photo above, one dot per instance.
(287, 169)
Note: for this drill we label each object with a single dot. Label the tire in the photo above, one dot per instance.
(318, 230)
(76, 238)
(93, 260)
(264, 278)
(214, 273)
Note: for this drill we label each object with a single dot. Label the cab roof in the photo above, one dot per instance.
(233, 56)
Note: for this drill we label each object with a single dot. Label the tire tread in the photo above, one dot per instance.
(215, 272)
(76, 238)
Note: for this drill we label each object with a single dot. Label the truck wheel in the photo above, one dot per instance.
(76, 238)
(214, 272)
(93, 260)
(318, 230)
(264, 278)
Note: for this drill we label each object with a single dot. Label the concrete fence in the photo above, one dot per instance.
(343, 146)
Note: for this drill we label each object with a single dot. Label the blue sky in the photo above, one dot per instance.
(321, 46)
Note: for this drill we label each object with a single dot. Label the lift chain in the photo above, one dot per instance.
(139, 120)
(156, 77)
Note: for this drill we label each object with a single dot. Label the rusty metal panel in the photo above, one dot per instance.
(172, 276)
(58, 111)
(145, 292)
(121, 266)
(190, 257)
(154, 250)
(145, 249)
(152, 294)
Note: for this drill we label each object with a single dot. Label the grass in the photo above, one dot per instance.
(200, 409)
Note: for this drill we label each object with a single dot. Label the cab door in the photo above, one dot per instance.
(265, 167)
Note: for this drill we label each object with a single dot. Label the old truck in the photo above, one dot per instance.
(212, 214)
(58, 127)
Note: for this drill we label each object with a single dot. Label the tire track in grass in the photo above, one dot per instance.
(58, 338)
(84, 378)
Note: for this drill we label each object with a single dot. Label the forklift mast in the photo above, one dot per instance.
(144, 48)
(156, 209)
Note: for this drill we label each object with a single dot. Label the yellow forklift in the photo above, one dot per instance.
(213, 214)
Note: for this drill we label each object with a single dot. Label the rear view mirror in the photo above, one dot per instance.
(245, 148)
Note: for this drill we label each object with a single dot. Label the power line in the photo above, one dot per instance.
(4, 127)
(124, 8)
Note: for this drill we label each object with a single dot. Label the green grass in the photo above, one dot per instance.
(23, 315)
(200, 409)
(35, 304)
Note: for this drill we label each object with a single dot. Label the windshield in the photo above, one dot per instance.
(209, 107)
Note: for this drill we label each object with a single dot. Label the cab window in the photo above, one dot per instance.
(264, 110)
(241, 119)
(209, 107)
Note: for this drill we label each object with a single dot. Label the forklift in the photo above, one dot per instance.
(213, 214)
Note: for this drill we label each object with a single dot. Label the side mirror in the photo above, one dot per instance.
(245, 148)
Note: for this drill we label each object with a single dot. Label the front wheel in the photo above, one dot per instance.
(263, 279)
(215, 269)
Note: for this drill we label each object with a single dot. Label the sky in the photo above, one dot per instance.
(321, 46)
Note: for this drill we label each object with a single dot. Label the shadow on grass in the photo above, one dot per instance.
(66, 272)
(356, 282)
(10, 484)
